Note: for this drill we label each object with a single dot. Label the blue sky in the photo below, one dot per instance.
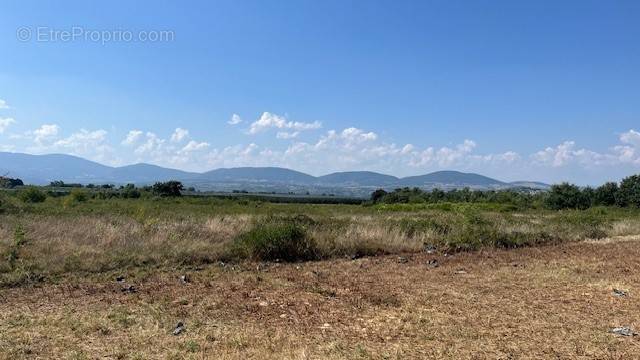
(537, 90)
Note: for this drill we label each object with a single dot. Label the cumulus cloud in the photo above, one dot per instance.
(268, 120)
(631, 137)
(235, 120)
(179, 134)
(567, 153)
(45, 133)
(4, 123)
(287, 135)
(91, 144)
(151, 145)
(132, 137)
(3, 104)
(195, 146)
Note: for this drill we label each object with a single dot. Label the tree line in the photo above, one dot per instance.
(560, 196)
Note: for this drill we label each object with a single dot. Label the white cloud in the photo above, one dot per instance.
(179, 134)
(195, 146)
(45, 133)
(91, 144)
(132, 137)
(631, 137)
(4, 124)
(152, 145)
(235, 120)
(3, 104)
(269, 120)
(287, 135)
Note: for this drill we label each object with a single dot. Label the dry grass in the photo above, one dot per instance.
(533, 303)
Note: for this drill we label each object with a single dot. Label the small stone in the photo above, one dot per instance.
(263, 303)
(623, 331)
(283, 316)
(460, 272)
(179, 328)
(619, 293)
(184, 279)
(129, 289)
(429, 248)
(402, 260)
(433, 263)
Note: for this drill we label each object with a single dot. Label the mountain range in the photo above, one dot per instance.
(42, 169)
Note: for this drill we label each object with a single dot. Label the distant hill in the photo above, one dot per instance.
(257, 174)
(530, 185)
(146, 173)
(451, 178)
(42, 169)
(358, 178)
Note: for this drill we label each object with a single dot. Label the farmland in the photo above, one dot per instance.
(256, 279)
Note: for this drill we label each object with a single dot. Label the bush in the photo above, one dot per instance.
(276, 239)
(606, 194)
(32, 194)
(77, 195)
(629, 192)
(169, 188)
(130, 192)
(567, 196)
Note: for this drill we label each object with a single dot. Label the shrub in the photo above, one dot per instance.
(130, 192)
(276, 239)
(629, 192)
(567, 196)
(378, 195)
(32, 194)
(77, 195)
(606, 194)
(169, 188)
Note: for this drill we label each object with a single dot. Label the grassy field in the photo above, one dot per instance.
(380, 281)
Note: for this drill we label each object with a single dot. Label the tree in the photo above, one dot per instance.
(32, 194)
(629, 192)
(169, 188)
(606, 194)
(377, 195)
(567, 196)
(130, 192)
(9, 183)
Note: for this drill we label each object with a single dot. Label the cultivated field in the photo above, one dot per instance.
(251, 279)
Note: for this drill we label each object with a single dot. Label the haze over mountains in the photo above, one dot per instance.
(42, 169)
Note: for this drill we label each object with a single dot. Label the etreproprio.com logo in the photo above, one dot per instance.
(79, 33)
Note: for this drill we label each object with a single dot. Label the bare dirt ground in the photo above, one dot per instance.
(551, 302)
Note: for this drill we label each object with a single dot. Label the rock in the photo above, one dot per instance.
(619, 293)
(402, 260)
(129, 289)
(460, 272)
(184, 279)
(179, 328)
(263, 303)
(120, 279)
(433, 263)
(429, 248)
(623, 331)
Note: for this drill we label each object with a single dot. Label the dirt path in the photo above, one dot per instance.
(550, 302)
